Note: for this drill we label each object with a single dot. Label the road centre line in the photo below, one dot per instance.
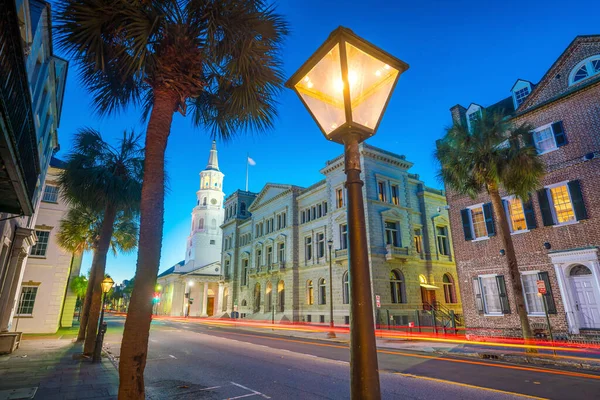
(497, 365)
(250, 390)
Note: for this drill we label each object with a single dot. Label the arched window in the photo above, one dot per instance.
(310, 293)
(225, 299)
(579, 270)
(322, 291)
(213, 223)
(585, 69)
(449, 289)
(281, 296)
(397, 287)
(201, 223)
(204, 201)
(268, 297)
(244, 303)
(235, 209)
(257, 297)
(346, 288)
(244, 277)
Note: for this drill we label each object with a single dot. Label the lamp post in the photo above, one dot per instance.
(106, 285)
(346, 86)
(331, 333)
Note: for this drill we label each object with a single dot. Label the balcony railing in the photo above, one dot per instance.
(396, 252)
(341, 253)
(21, 158)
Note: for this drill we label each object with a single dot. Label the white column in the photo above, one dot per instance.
(205, 299)
(219, 302)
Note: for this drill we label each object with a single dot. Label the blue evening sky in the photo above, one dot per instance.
(458, 51)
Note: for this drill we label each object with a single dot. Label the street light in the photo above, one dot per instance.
(346, 86)
(331, 333)
(106, 285)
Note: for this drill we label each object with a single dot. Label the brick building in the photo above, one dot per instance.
(276, 258)
(557, 232)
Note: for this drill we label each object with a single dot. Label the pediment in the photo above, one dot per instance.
(340, 218)
(281, 237)
(392, 213)
(441, 219)
(270, 191)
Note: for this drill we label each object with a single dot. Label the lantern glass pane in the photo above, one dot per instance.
(371, 82)
(322, 89)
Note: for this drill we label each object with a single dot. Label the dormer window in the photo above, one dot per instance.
(585, 69)
(520, 90)
(473, 113)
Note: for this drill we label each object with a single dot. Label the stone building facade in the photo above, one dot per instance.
(556, 233)
(276, 246)
(29, 118)
(45, 302)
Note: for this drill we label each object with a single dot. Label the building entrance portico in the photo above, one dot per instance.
(578, 275)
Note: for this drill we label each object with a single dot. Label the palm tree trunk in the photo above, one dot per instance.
(85, 308)
(511, 260)
(134, 346)
(106, 232)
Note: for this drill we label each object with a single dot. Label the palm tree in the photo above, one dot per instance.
(108, 180)
(220, 57)
(493, 154)
(79, 231)
(79, 286)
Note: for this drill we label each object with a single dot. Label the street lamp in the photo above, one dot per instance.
(331, 333)
(346, 86)
(106, 285)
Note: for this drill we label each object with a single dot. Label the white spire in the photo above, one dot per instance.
(213, 161)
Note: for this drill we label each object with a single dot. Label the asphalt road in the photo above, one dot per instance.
(188, 360)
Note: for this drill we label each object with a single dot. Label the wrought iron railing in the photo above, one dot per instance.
(15, 97)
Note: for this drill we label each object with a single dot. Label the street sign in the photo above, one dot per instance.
(411, 324)
(541, 286)
(378, 301)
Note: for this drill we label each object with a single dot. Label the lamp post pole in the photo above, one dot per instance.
(364, 370)
(331, 333)
(100, 337)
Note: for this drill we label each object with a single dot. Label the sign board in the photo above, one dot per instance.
(411, 324)
(541, 286)
(378, 300)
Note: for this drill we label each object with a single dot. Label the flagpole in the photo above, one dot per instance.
(247, 161)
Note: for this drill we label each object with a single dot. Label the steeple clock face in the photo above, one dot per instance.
(213, 202)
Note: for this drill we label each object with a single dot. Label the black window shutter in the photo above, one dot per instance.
(559, 134)
(547, 217)
(502, 292)
(528, 139)
(529, 214)
(477, 294)
(466, 221)
(489, 219)
(577, 199)
(543, 276)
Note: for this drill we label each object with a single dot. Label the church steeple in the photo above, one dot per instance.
(213, 161)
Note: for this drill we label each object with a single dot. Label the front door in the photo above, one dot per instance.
(210, 306)
(428, 298)
(586, 302)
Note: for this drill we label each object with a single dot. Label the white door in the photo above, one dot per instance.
(586, 302)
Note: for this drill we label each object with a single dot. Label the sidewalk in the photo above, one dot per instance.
(47, 367)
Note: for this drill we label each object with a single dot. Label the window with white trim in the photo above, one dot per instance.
(562, 205)
(269, 256)
(585, 69)
(515, 213)
(50, 194)
(478, 222)
(543, 139)
(491, 295)
(41, 246)
(320, 245)
(533, 301)
(281, 252)
(521, 94)
(27, 300)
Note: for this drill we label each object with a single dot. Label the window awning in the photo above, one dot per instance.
(429, 287)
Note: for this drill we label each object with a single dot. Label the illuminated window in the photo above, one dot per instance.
(339, 197)
(561, 201)
(418, 241)
(310, 299)
(516, 214)
(478, 222)
(395, 195)
(381, 191)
